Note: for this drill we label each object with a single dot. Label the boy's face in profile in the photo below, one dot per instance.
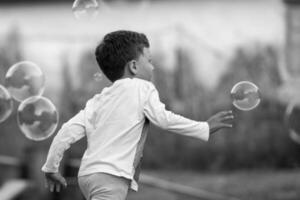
(144, 65)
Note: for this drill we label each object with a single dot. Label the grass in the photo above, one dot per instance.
(244, 185)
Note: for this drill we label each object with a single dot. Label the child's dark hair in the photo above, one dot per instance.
(117, 49)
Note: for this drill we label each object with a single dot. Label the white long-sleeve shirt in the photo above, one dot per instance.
(113, 121)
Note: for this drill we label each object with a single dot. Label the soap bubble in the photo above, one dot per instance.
(85, 9)
(6, 104)
(97, 77)
(37, 118)
(24, 79)
(292, 120)
(245, 95)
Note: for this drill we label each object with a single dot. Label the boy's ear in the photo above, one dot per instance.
(132, 67)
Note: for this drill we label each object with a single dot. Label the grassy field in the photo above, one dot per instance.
(244, 185)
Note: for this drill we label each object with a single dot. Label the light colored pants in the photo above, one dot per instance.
(102, 186)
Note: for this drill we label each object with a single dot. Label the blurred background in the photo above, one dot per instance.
(200, 48)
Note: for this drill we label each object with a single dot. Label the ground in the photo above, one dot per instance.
(244, 185)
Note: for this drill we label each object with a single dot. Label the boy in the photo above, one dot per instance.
(115, 122)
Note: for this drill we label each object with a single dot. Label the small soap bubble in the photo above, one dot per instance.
(24, 79)
(6, 104)
(37, 118)
(245, 95)
(85, 9)
(98, 77)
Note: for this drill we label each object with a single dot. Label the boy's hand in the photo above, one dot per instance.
(219, 120)
(54, 181)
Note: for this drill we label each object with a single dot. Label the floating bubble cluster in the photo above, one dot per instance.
(37, 117)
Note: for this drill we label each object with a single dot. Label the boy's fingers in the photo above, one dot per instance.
(46, 184)
(227, 112)
(228, 117)
(227, 125)
(62, 181)
(51, 187)
(57, 186)
(223, 114)
(65, 183)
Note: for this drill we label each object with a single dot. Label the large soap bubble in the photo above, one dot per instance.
(24, 79)
(37, 118)
(6, 104)
(245, 95)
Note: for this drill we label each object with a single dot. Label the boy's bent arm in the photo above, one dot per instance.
(156, 112)
(70, 132)
(61, 142)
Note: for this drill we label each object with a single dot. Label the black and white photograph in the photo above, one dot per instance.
(150, 100)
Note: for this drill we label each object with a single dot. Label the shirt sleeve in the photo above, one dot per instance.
(70, 132)
(156, 112)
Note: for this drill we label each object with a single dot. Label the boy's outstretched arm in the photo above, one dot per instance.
(155, 111)
(70, 132)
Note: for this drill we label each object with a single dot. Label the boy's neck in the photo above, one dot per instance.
(125, 76)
